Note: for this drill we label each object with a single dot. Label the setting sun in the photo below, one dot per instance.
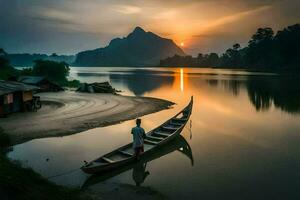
(182, 44)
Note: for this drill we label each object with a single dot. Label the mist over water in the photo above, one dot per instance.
(243, 136)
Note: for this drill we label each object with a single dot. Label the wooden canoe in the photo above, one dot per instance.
(178, 144)
(154, 139)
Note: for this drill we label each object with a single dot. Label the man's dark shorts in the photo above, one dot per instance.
(138, 150)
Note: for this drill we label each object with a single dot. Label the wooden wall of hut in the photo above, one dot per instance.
(6, 103)
(27, 96)
(14, 102)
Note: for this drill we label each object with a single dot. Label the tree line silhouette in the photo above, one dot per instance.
(265, 51)
(56, 72)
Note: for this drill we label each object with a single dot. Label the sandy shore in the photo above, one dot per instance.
(66, 113)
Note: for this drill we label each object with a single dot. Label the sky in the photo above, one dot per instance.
(200, 26)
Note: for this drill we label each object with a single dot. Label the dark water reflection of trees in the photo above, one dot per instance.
(263, 91)
(281, 91)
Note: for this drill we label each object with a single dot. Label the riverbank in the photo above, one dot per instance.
(66, 113)
(19, 183)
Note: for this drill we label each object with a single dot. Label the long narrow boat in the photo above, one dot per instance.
(154, 139)
(177, 144)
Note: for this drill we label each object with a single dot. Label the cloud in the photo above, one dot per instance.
(210, 35)
(126, 9)
(52, 15)
(234, 17)
(57, 14)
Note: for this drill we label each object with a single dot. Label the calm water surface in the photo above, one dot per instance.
(242, 141)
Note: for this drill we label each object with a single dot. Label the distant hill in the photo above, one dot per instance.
(139, 48)
(26, 60)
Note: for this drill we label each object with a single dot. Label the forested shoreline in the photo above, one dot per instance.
(266, 51)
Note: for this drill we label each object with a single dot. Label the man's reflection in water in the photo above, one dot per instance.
(139, 173)
(191, 134)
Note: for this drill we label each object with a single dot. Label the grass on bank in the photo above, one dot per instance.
(20, 183)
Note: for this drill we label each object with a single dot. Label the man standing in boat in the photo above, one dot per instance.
(138, 138)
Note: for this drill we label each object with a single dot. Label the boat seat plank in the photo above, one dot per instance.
(126, 153)
(179, 119)
(169, 128)
(162, 134)
(175, 124)
(107, 159)
(154, 138)
(150, 142)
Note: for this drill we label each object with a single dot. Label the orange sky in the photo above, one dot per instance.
(202, 25)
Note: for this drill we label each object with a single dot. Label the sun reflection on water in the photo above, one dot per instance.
(181, 80)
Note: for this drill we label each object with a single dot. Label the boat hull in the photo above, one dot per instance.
(99, 166)
(113, 166)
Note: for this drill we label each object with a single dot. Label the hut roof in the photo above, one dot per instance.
(7, 87)
(31, 79)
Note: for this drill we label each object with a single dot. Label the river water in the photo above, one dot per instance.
(242, 141)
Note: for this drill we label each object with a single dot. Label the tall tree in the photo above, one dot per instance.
(260, 48)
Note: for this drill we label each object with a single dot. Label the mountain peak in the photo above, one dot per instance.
(138, 30)
(139, 48)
